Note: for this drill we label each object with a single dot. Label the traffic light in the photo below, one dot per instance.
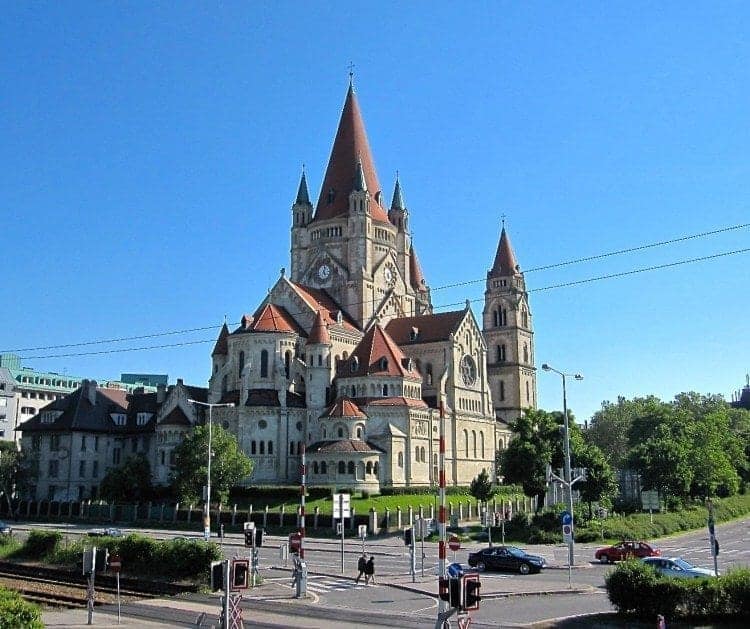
(455, 592)
(258, 538)
(102, 559)
(409, 537)
(471, 587)
(217, 576)
(444, 588)
(240, 574)
(249, 537)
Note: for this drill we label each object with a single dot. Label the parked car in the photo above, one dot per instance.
(506, 558)
(5, 528)
(107, 532)
(626, 550)
(677, 567)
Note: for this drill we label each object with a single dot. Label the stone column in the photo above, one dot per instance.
(398, 518)
(373, 524)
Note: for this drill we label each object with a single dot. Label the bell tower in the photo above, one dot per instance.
(509, 335)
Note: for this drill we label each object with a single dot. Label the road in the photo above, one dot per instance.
(400, 600)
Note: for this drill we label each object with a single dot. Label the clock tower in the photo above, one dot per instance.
(351, 246)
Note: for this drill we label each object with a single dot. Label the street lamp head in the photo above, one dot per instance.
(546, 367)
(578, 376)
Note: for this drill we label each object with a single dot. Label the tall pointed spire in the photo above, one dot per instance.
(303, 198)
(349, 147)
(398, 198)
(319, 331)
(360, 183)
(505, 259)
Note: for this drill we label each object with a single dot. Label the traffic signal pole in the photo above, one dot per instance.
(444, 609)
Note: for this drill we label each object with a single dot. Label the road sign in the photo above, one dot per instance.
(566, 518)
(362, 530)
(650, 500)
(453, 543)
(341, 502)
(115, 563)
(249, 526)
(567, 532)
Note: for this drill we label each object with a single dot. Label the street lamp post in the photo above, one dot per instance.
(568, 481)
(207, 514)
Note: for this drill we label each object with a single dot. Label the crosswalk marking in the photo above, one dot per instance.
(322, 584)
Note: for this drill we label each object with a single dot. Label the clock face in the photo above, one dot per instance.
(324, 271)
(388, 274)
(468, 370)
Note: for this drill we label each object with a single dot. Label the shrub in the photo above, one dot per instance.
(16, 613)
(629, 587)
(40, 544)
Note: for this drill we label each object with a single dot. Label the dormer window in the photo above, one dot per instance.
(354, 364)
(339, 317)
(118, 419)
(142, 418)
(49, 417)
(383, 364)
(414, 334)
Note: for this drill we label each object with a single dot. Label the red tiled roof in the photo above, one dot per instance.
(344, 407)
(341, 446)
(505, 259)
(415, 273)
(349, 146)
(319, 331)
(424, 328)
(272, 318)
(321, 301)
(222, 347)
(377, 354)
(393, 401)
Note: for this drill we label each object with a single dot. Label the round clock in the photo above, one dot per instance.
(468, 370)
(324, 271)
(388, 274)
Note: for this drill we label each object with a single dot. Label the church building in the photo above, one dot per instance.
(346, 359)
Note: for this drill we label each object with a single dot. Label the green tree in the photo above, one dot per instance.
(229, 464)
(715, 449)
(18, 471)
(600, 484)
(130, 482)
(481, 487)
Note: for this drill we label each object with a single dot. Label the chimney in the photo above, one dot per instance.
(161, 393)
(180, 382)
(89, 390)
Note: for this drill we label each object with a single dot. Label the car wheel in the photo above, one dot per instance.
(481, 567)
(604, 559)
(524, 568)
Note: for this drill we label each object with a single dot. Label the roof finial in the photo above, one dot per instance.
(225, 319)
(351, 74)
(747, 379)
(503, 219)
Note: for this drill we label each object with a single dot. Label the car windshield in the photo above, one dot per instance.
(683, 564)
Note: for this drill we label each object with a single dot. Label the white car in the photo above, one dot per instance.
(677, 567)
(108, 532)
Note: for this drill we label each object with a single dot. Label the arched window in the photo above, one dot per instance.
(416, 453)
(359, 432)
(262, 445)
(474, 442)
(383, 364)
(315, 467)
(401, 459)
(287, 363)
(351, 468)
(502, 389)
(325, 433)
(423, 456)
(428, 377)
(524, 317)
(291, 447)
(500, 444)
(368, 468)
(342, 467)
(496, 318)
(252, 447)
(340, 432)
(224, 384)
(264, 363)
(481, 442)
(320, 360)
(385, 390)
(323, 467)
(466, 443)
(241, 364)
(270, 447)
(525, 353)
(528, 395)
(375, 468)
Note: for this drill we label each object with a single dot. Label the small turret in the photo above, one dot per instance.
(302, 208)
(398, 214)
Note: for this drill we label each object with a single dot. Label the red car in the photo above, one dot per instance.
(626, 550)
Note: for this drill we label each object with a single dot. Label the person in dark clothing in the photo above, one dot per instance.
(370, 570)
(361, 566)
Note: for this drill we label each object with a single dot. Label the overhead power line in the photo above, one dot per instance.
(589, 280)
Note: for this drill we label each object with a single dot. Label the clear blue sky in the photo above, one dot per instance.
(150, 153)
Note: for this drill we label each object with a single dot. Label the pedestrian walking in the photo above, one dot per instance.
(660, 622)
(361, 566)
(370, 571)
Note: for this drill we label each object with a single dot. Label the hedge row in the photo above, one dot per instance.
(16, 613)
(635, 589)
(140, 555)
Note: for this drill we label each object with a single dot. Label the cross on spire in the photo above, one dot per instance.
(351, 74)
(502, 216)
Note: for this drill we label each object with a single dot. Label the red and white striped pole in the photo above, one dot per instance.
(442, 605)
(302, 507)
